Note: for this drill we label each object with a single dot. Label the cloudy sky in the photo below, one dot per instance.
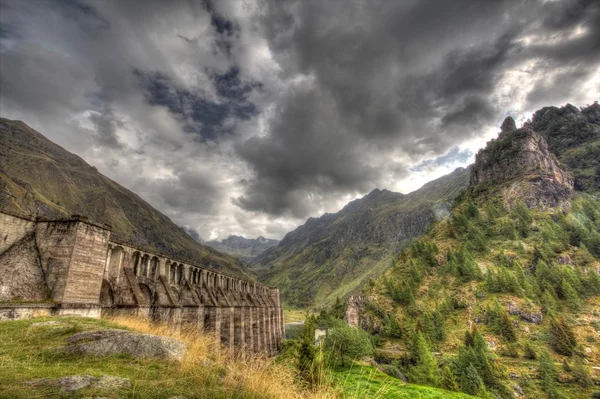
(247, 117)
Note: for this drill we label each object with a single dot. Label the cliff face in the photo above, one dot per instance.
(336, 254)
(520, 163)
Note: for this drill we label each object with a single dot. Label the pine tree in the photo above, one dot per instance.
(307, 353)
(449, 380)
(471, 382)
(548, 375)
(562, 337)
(570, 295)
(425, 369)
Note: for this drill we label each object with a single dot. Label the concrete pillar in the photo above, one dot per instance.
(248, 331)
(263, 329)
(257, 343)
(107, 263)
(239, 327)
(212, 320)
(227, 327)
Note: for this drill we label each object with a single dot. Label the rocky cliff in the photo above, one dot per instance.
(40, 178)
(520, 163)
(338, 253)
(523, 281)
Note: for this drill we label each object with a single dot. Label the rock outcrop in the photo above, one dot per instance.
(113, 341)
(520, 163)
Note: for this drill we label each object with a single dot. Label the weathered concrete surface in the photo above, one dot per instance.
(112, 341)
(71, 267)
(21, 278)
(13, 229)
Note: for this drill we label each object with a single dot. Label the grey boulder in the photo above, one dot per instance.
(113, 341)
(76, 382)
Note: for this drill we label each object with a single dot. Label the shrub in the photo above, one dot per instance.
(582, 373)
(344, 343)
(562, 338)
(496, 317)
(529, 352)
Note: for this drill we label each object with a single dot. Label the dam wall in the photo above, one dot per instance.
(75, 267)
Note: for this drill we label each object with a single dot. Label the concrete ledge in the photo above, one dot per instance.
(22, 311)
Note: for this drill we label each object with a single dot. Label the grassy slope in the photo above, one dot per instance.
(363, 381)
(30, 352)
(438, 286)
(337, 254)
(40, 178)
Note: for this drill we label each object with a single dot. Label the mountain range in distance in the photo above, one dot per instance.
(247, 249)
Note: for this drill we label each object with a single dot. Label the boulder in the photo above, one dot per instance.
(535, 317)
(113, 341)
(76, 382)
(532, 317)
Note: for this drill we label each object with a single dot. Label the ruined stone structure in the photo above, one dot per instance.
(355, 305)
(72, 266)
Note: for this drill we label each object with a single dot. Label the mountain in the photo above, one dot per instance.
(507, 287)
(244, 248)
(338, 253)
(40, 178)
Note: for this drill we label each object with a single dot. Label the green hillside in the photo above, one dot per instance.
(40, 178)
(336, 254)
(509, 295)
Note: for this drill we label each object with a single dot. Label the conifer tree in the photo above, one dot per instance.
(562, 337)
(425, 369)
(471, 382)
(548, 375)
(448, 379)
(570, 295)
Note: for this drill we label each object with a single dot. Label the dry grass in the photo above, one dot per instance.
(243, 375)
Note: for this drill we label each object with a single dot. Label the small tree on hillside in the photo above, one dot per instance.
(562, 337)
(548, 375)
(344, 343)
(425, 369)
(307, 352)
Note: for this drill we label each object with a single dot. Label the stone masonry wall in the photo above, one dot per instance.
(73, 267)
(13, 229)
(86, 268)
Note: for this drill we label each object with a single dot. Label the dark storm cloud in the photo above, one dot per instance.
(247, 117)
(302, 157)
(419, 76)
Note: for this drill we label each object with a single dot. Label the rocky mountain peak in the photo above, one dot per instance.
(508, 125)
(520, 163)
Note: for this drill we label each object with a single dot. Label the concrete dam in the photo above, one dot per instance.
(73, 267)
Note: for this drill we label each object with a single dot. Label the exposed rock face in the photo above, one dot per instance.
(508, 125)
(531, 316)
(356, 304)
(520, 163)
(109, 342)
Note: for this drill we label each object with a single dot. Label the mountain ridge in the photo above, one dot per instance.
(338, 253)
(40, 178)
(244, 248)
